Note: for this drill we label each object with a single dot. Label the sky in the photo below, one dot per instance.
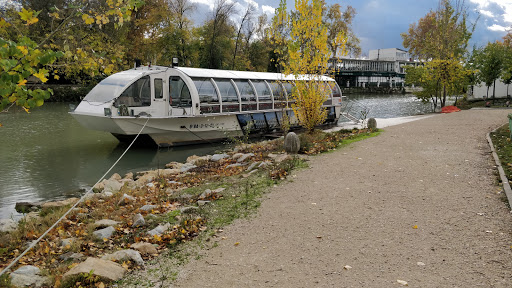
(378, 23)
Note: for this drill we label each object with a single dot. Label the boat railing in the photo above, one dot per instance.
(353, 110)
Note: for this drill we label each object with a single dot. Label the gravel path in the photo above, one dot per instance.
(423, 191)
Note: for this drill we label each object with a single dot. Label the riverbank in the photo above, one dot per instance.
(418, 204)
(151, 212)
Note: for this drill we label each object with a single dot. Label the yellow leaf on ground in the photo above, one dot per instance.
(125, 265)
(415, 227)
(237, 243)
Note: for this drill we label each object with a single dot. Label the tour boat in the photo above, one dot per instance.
(192, 105)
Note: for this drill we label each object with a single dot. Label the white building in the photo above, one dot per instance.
(389, 54)
(479, 91)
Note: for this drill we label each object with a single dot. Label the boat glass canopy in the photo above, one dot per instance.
(108, 89)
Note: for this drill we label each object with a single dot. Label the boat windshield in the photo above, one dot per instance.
(110, 87)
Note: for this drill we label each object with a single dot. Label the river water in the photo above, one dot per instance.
(46, 155)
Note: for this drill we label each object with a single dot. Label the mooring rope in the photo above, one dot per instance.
(72, 207)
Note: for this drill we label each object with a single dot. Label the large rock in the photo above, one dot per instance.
(372, 123)
(125, 255)
(105, 223)
(125, 200)
(25, 207)
(186, 167)
(62, 203)
(148, 207)
(67, 242)
(138, 220)
(282, 157)
(145, 248)
(174, 165)
(129, 183)
(244, 157)
(112, 186)
(102, 268)
(218, 157)
(159, 229)
(291, 143)
(252, 166)
(28, 276)
(7, 225)
(104, 233)
(115, 176)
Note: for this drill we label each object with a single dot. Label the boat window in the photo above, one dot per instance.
(110, 87)
(228, 94)
(264, 95)
(279, 95)
(179, 93)
(335, 89)
(136, 95)
(326, 90)
(207, 95)
(159, 89)
(246, 95)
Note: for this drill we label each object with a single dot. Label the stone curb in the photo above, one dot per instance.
(504, 179)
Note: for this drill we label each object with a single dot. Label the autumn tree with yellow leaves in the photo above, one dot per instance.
(306, 58)
(440, 40)
(51, 41)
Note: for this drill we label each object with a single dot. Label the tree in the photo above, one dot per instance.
(26, 53)
(217, 34)
(338, 24)
(441, 38)
(438, 78)
(441, 34)
(506, 75)
(278, 37)
(308, 55)
(489, 63)
(245, 22)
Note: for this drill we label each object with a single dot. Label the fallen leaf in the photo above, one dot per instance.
(415, 227)
(125, 265)
(347, 267)
(402, 282)
(237, 243)
(319, 237)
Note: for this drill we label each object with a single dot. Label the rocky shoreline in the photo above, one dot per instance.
(129, 220)
(148, 200)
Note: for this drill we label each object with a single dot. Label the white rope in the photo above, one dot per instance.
(73, 207)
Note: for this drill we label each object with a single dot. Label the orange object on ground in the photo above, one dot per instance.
(449, 109)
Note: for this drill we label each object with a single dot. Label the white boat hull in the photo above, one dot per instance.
(166, 131)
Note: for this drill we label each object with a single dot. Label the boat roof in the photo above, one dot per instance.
(216, 73)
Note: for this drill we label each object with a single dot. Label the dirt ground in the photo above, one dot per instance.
(419, 203)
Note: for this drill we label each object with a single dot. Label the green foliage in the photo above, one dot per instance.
(438, 78)
(440, 38)
(31, 50)
(19, 61)
(489, 61)
(441, 34)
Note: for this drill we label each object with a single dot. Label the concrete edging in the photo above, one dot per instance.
(504, 179)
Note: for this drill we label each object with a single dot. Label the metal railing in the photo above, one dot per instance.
(353, 110)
